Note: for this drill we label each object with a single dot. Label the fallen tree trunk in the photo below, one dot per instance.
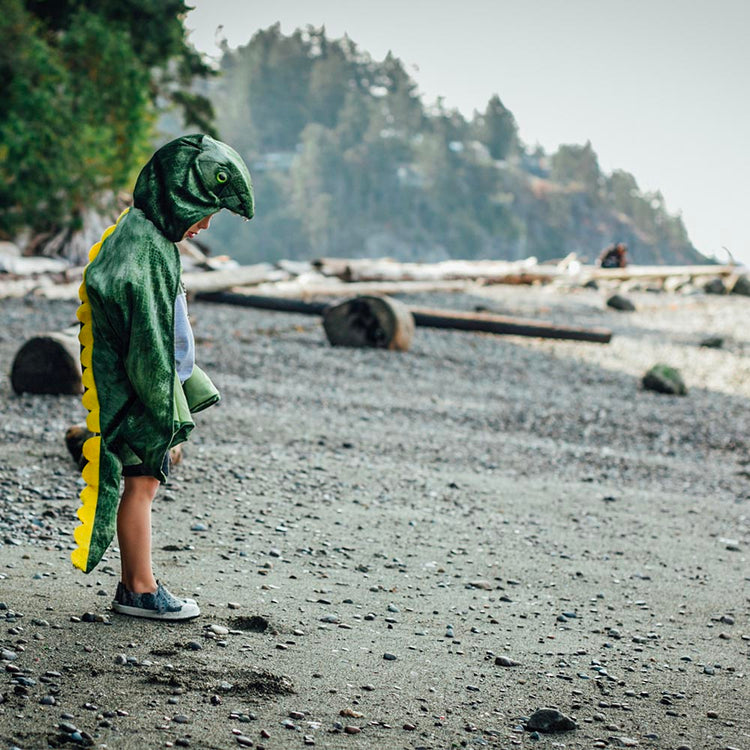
(656, 272)
(387, 269)
(315, 285)
(213, 281)
(275, 304)
(49, 363)
(378, 322)
(486, 322)
(491, 323)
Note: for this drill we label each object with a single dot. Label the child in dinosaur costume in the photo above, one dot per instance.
(141, 383)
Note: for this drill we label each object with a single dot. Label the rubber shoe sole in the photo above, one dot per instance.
(188, 611)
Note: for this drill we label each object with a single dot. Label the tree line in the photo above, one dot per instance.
(346, 157)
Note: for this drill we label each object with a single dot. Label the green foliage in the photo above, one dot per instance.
(497, 129)
(79, 83)
(347, 160)
(576, 164)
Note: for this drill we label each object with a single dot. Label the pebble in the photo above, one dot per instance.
(218, 629)
(351, 713)
(549, 720)
(243, 741)
(389, 657)
(504, 661)
(485, 585)
(350, 729)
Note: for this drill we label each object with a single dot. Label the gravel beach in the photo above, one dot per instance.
(405, 550)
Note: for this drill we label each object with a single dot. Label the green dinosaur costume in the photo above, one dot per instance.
(137, 405)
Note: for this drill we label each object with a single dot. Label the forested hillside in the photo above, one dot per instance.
(347, 160)
(346, 157)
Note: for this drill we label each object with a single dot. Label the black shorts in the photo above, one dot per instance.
(137, 470)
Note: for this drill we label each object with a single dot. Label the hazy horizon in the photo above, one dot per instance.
(658, 88)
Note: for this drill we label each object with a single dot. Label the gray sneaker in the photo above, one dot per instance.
(159, 605)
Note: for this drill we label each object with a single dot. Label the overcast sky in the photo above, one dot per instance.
(659, 87)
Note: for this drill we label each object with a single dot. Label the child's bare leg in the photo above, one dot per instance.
(134, 533)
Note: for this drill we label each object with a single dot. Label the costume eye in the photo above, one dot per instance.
(221, 177)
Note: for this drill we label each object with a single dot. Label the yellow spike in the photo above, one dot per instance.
(92, 421)
(89, 496)
(83, 313)
(82, 535)
(82, 294)
(91, 448)
(79, 557)
(88, 378)
(85, 335)
(90, 473)
(86, 356)
(95, 248)
(90, 400)
(86, 514)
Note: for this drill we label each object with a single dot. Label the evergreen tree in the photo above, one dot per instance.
(497, 129)
(79, 82)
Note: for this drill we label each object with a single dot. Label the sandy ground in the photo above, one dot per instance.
(367, 532)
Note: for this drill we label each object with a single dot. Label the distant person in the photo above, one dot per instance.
(615, 256)
(138, 359)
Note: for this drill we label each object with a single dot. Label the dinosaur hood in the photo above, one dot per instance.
(190, 178)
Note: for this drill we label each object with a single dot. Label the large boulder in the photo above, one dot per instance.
(742, 286)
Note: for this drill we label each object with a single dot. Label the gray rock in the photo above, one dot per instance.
(742, 286)
(504, 661)
(664, 379)
(618, 302)
(715, 286)
(713, 342)
(549, 721)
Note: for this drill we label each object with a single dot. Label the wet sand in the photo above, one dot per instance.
(372, 536)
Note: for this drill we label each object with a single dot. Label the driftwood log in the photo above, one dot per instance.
(502, 324)
(48, 363)
(379, 322)
(486, 322)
